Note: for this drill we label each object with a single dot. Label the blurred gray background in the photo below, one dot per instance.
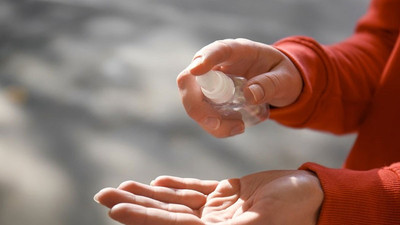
(88, 98)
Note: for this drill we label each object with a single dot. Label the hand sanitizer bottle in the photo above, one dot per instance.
(225, 93)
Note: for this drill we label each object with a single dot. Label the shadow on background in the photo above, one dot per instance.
(88, 98)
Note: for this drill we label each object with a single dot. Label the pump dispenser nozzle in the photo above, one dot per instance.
(226, 95)
(216, 86)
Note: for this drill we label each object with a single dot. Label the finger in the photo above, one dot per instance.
(189, 198)
(262, 88)
(279, 87)
(110, 197)
(131, 214)
(227, 128)
(280, 84)
(194, 101)
(240, 57)
(203, 186)
(200, 110)
(210, 56)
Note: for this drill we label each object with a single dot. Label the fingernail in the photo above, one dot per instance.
(152, 183)
(196, 62)
(257, 92)
(237, 130)
(96, 198)
(211, 122)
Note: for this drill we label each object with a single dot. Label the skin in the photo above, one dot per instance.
(272, 78)
(271, 197)
(266, 198)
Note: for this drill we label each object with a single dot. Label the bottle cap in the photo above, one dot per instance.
(216, 86)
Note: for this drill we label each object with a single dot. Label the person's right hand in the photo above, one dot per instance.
(272, 78)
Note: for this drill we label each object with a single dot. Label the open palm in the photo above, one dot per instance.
(272, 197)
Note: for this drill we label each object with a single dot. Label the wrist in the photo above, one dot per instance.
(316, 189)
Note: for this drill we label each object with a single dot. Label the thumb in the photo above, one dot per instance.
(262, 88)
(279, 87)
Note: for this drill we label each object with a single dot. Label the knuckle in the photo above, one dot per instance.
(225, 46)
(271, 84)
(107, 191)
(243, 40)
(126, 184)
(119, 210)
(194, 112)
(163, 178)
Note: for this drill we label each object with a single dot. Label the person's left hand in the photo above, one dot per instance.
(271, 197)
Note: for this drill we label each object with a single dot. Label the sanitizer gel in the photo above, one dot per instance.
(225, 93)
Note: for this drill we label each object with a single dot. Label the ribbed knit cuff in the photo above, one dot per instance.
(358, 197)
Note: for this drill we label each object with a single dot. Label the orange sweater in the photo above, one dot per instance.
(354, 86)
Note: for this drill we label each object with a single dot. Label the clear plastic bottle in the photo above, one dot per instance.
(225, 93)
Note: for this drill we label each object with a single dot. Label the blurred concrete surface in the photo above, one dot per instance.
(88, 98)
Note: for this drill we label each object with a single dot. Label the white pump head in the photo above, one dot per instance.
(216, 86)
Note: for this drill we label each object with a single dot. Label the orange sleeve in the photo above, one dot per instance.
(359, 197)
(339, 82)
(340, 79)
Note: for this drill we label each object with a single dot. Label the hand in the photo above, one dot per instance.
(272, 197)
(272, 78)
